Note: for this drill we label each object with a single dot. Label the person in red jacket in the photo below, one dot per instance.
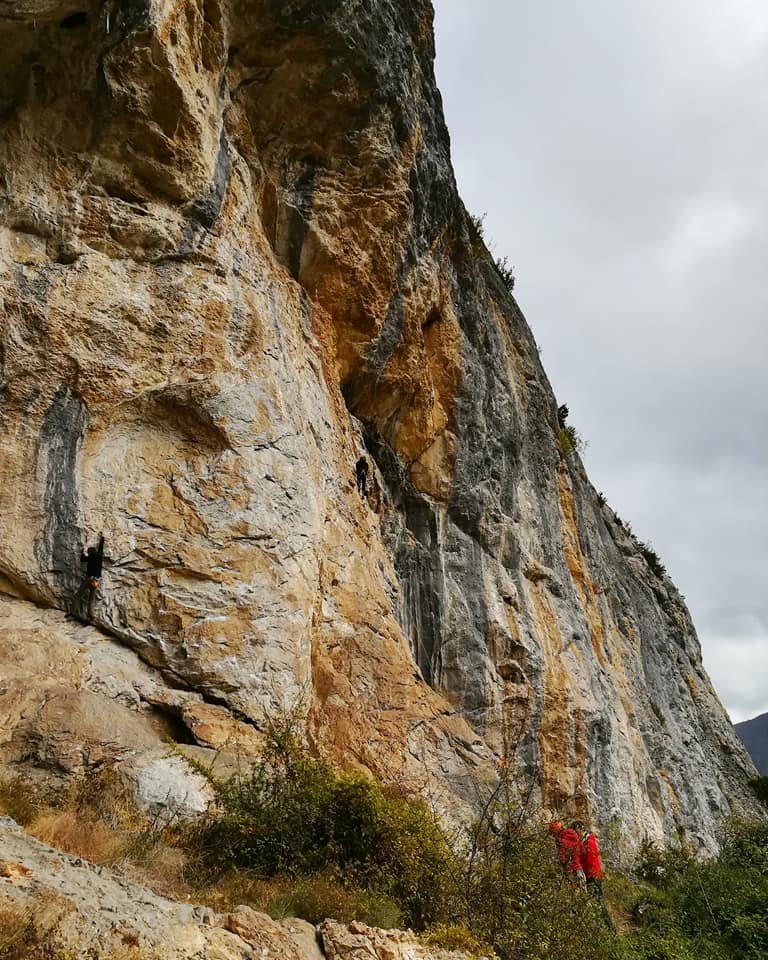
(593, 869)
(590, 860)
(569, 853)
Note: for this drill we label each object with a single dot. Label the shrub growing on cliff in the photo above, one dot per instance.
(476, 228)
(652, 558)
(295, 815)
(569, 440)
(505, 272)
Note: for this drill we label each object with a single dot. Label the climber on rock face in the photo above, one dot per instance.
(361, 472)
(91, 561)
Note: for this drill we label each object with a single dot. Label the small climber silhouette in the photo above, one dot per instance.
(361, 472)
(91, 560)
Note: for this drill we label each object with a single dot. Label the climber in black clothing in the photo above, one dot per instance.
(361, 472)
(92, 561)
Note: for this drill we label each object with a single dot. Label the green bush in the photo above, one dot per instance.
(325, 896)
(476, 228)
(663, 866)
(512, 890)
(337, 844)
(570, 441)
(329, 843)
(568, 438)
(295, 815)
(456, 938)
(476, 231)
(713, 910)
(505, 272)
(652, 558)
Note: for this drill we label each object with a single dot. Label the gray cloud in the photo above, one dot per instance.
(618, 149)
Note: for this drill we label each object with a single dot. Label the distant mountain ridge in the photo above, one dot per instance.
(754, 735)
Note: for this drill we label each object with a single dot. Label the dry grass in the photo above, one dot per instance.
(23, 801)
(94, 818)
(29, 930)
(82, 837)
(14, 924)
(163, 869)
(128, 952)
(314, 898)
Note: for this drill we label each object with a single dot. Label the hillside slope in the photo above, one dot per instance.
(754, 735)
(234, 259)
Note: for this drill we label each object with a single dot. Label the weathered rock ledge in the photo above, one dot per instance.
(87, 908)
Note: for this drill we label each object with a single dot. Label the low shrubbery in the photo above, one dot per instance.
(505, 271)
(327, 894)
(93, 817)
(476, 230)
(760, 786)
(295, 815)
(512, 893)
(342, 845)
(714, 910)
(456, 937)
(652, 558)
(569, 440)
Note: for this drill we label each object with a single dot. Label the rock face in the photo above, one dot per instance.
(234, 260)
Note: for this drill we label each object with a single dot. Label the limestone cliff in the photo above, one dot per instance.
(234, 259)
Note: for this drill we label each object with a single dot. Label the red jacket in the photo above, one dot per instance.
(590, 858)
(569, 850)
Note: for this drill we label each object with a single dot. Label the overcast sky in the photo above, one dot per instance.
(620, 149)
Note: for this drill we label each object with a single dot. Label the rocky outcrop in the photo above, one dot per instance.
(358, 941)
(234, 259)
(80, 909)
(73, 701)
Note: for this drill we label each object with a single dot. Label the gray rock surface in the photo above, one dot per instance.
(99, 909)
(166, 788)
